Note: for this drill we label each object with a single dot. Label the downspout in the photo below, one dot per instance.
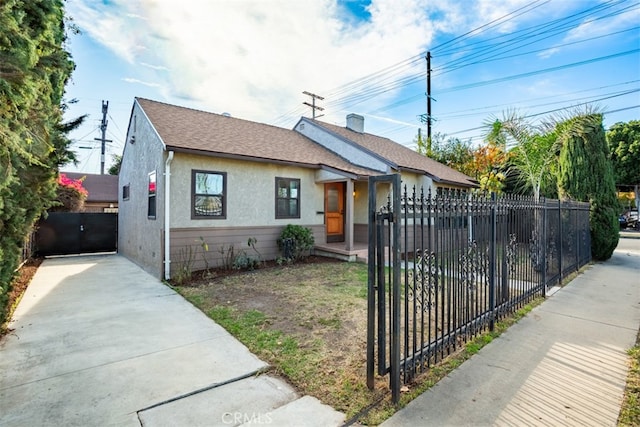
(167, 216)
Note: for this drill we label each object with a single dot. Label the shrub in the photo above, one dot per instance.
(243, 261)
(296, 242)
(585, 173)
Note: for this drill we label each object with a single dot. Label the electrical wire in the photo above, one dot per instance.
(387, 80)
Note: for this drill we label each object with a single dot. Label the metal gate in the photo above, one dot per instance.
(67, 233)
(444, 267)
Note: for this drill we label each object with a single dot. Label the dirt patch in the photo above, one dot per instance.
(321, 298)
(321, 304)
(18, 286)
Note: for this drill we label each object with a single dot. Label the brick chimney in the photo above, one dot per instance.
(355, 123)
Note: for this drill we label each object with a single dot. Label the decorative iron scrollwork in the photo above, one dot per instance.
(536, 252)
(473, 262)
(569, 238)
(423, 281)
(512, 252)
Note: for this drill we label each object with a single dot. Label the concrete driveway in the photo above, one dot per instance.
(98, 341)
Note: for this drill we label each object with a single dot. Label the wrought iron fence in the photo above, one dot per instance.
(27, 249)
(444, 267)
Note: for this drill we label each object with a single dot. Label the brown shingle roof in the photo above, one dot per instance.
(187, 129)
(403, 157)
(101, 188)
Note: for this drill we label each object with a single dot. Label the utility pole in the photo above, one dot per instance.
(429, 100)
(427, 118)
(313, 103)
(103, 140)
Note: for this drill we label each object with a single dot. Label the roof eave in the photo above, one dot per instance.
(240, 157)
(437, 178)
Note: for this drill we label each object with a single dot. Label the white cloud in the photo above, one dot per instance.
(154, 67)
(548, 53)
(593, 28)
(141, 82)
(108, 26)
(254, 58)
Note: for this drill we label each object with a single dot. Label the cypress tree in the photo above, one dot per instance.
(585, 174)
(34, 68)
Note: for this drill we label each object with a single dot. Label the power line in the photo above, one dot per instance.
(490, 24)
(549, 112)
(537, 72)
(568, 105)
(532, 31)
(500, 58)
(486, 110)
(402, 74)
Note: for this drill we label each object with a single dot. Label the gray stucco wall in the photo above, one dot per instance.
(250, 208)
(140, 238)
(250, 192)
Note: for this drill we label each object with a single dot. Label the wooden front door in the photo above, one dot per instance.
(334, 211)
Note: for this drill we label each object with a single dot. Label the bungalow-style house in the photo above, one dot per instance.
(102, 189)
(190, 176)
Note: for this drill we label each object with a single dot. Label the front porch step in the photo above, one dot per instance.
(335, 250)
(344, 256)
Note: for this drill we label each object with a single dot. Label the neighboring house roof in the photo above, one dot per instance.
(403, 157)
(189, 130)
(101, 188)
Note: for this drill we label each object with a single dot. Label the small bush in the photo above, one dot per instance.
(296, 242)
(245, 262)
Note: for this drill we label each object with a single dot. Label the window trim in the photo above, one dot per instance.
(223, 195)
(298, 198)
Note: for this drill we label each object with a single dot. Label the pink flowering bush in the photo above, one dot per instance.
(70, 194)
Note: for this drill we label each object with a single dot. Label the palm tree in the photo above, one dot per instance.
(533, 147)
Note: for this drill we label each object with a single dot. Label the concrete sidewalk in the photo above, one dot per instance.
(565, 364)
(97, 341)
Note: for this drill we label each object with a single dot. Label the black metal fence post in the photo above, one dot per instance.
(371, 287)
(561, 240)
(545, 265)
(395, 321)
(492, 263)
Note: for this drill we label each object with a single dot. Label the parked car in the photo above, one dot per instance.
(622, 219)
(629, 219)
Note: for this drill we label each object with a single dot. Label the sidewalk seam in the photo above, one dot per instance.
(108, 363)
(587, 320)
(203, 389)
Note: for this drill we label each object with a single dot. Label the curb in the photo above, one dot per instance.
(629, 235)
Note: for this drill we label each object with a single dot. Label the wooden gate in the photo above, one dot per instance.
(68, 233)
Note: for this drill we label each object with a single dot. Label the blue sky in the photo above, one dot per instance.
(253, 59)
